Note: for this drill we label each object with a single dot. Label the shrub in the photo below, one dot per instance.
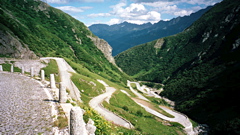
(139, 113)
(125, 108)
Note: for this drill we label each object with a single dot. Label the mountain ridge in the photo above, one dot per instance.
(127, 35)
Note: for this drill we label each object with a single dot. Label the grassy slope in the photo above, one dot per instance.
(51, 32)
(142, 120)
(203, 74)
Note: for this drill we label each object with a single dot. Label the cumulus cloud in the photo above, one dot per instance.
(171, 6)
(114, 21)
(135, 13)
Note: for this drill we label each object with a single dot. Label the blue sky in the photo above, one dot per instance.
(133, 11)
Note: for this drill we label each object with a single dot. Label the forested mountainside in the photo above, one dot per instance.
(32, 29)
(126, 35)
(200, 67)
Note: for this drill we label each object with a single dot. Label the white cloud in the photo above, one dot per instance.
(159, 4)
(171, 6)
(114, 21)
(70, 9)
(99, 15)
(182, 12)
(135, 13)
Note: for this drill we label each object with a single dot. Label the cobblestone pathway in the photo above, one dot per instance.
(23, 106)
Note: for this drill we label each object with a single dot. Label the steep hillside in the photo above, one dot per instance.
(32, 29)
(127, 35)
(200, 67)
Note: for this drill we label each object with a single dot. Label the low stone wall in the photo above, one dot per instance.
(26, 64)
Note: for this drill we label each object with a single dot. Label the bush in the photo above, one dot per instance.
(139, 113)
(125, 108)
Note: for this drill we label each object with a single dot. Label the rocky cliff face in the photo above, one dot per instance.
(104, 47)
(11, 46)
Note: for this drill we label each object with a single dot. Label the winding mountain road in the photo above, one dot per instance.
(178, 117)
(65, 71)
(95, 103)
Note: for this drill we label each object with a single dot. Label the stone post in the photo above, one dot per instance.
(52, 81)
(90, 127)
(12, 69)
(62, 93)
(1, 68)
(23, 70)
(32, 71)
(42, 75)
(77, 125)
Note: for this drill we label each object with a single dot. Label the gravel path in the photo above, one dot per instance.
(95, 103)
(23, 106)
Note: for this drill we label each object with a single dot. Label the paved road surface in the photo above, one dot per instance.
(23, 106)
(95, 103)
(65, 75)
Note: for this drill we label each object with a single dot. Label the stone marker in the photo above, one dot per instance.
(32, 71)
(62, 93)
(12, 69)
(42, 75)
(1, 68)
(77, 125)
(23, 70)
(90, 127)
(52, 81)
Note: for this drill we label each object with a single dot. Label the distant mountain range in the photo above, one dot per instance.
(126, 35)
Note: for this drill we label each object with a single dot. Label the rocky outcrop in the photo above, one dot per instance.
(104, 47)
(12, 47)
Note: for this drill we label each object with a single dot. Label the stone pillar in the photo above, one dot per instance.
(77, 125)
(90, 127)
(52, 81)
(62, 93)
(42, 75)
(1, 68)
(12, 69)
(32, 71)
(128, 83)
(23, 70)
